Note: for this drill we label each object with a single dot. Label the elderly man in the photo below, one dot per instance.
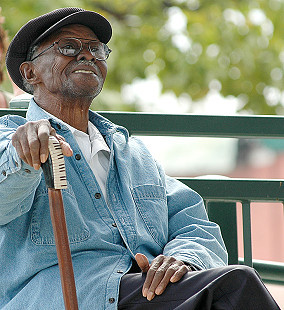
(124, 215)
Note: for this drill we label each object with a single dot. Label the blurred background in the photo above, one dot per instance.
(184, 51)
(221, 57)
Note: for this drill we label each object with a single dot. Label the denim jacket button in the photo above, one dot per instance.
(111, 300)
(113, 225)
(4, 173)
(78, 156)
(98, 195)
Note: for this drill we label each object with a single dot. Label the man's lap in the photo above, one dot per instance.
(206, 289)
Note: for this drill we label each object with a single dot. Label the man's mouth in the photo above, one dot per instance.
(84, 71)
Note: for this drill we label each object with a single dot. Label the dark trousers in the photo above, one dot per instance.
(231, 287)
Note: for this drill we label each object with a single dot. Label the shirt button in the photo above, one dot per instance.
(98, 195)
(78, 156)
(4, 173)
(113, 225)
(111, 300)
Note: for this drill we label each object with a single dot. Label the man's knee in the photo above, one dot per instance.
(240, 277)
(244, 272)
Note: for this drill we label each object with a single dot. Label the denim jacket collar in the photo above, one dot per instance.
(105, 126)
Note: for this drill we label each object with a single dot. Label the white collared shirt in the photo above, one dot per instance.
(95, 151)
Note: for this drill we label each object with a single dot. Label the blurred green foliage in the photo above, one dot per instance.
(234, 46)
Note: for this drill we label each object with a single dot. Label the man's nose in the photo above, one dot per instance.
(85, 54)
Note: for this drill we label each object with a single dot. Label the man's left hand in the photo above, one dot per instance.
(163, 269)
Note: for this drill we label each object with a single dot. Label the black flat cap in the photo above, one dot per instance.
(41, 27)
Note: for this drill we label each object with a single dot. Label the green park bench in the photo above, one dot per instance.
(220, 194)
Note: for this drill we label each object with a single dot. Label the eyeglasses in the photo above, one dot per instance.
(73, 46)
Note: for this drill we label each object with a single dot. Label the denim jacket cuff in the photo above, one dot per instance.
(11, 163)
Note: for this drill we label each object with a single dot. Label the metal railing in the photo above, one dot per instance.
(221, 195)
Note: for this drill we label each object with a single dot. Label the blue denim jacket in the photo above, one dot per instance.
(145, 211)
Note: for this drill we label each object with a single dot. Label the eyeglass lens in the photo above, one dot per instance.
(73, 46)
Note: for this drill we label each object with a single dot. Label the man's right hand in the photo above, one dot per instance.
(31, 142)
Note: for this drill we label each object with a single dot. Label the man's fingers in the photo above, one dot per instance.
(44, 130)
(24, 145)
(153, 278)
(17, 145)
(166, 279)
(34, 151)
(144, 265)
(38, 135)
(157, 278)
(173, 274)
(162, 271)
(20, 143)
(66, 148)
(179, 273)
(142, 262)
(31, 142)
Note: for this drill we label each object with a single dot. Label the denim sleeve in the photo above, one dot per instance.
(18, 181)
(192, 237)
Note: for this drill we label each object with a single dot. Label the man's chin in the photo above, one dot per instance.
(83, 90)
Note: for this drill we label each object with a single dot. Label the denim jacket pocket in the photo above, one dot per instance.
(151, 203)
(41, 226)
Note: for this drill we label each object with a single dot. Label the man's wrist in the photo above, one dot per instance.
(192, 267)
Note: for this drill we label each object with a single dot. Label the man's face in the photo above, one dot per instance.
(77, 76)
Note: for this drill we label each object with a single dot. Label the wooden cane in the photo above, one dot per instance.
(55, 178)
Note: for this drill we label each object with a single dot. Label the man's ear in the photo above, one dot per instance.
(27, 70)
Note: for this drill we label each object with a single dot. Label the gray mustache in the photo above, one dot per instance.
(86, 63)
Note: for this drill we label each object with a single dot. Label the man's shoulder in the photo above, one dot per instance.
(12, 121)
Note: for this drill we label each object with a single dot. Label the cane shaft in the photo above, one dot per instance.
(63, 250)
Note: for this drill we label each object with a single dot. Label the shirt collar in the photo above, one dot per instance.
(104, 126)
(97, 141)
